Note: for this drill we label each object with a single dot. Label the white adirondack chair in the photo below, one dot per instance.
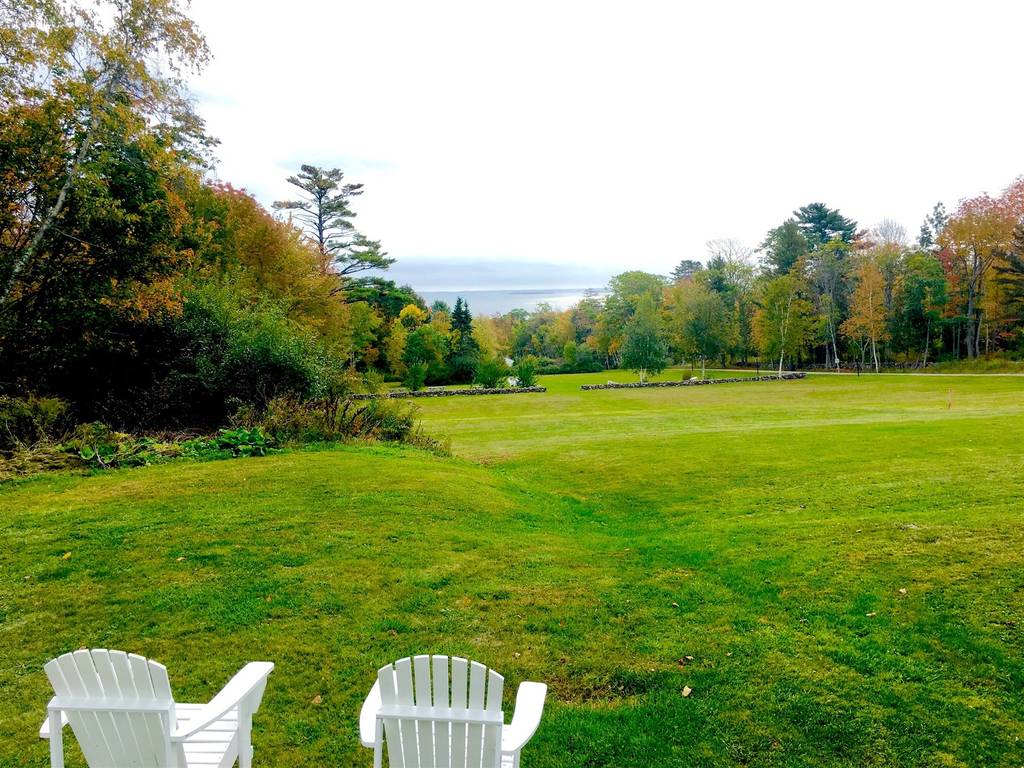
(122, 712)
(446, 722)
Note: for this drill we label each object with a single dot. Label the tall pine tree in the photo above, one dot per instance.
(323, 212)
(465, 351)
(821, 224)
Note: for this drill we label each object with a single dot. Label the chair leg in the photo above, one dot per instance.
(244, 738)
(56, 740)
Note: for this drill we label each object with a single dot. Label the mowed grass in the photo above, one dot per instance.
(842, 557)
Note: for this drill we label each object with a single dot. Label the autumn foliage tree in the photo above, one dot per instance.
(867, 321)
(783, 318)
(977, 238)
(89, 79)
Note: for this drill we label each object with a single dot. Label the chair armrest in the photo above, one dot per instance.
(250, 679)
(44, 731)
(526, 718)
(368, 717)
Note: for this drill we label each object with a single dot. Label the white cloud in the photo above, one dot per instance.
(614, 135)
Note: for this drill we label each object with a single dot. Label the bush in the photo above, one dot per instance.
(415, 377)
(231, 350)
(526, 372)
(462, 367)
(26, 422)
(289, 420)
(996, 363)
(492, 373)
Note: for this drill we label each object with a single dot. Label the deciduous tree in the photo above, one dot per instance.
(782, 322)
(107, 71)
(978, 236)
(867, 321)
(643, 350)
(699, 322)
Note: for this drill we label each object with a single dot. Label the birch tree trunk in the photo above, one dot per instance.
(25, 257)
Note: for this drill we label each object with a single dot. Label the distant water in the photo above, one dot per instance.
(500, 302)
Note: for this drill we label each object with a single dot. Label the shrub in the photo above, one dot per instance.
(289, 420)
(228, 350)
(491, 373)
(428, 347)
(26, 422)
(415, 377)
(526, 372)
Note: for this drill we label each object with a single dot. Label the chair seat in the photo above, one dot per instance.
(213, 747)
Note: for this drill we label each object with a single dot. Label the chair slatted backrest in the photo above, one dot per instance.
(120, 707)
(440, 699)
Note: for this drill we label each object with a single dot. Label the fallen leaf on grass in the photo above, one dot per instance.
(687, 690)
(317, 699)
(66, 556)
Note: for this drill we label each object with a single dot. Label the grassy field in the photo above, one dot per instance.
(842, 557)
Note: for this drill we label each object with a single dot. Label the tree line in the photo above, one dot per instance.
(819, 291)
(146, 294)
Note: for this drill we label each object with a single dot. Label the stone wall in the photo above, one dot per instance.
(451, 392)
(696, 382)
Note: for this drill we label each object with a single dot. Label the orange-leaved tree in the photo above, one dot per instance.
(975, 240)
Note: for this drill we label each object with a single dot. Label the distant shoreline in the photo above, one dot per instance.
(489, 301)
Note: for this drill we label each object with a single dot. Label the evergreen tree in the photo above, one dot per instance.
(1010, 276)
(389, 299)
(821, 224)
(933, 224)
(783, 246)
(465, 351)
(686, 268)
(323, 212)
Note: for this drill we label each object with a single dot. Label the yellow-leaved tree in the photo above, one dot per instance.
(867, 322)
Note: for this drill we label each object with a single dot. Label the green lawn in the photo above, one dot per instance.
(585, 539)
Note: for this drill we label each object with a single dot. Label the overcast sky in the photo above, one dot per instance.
(604, 136)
